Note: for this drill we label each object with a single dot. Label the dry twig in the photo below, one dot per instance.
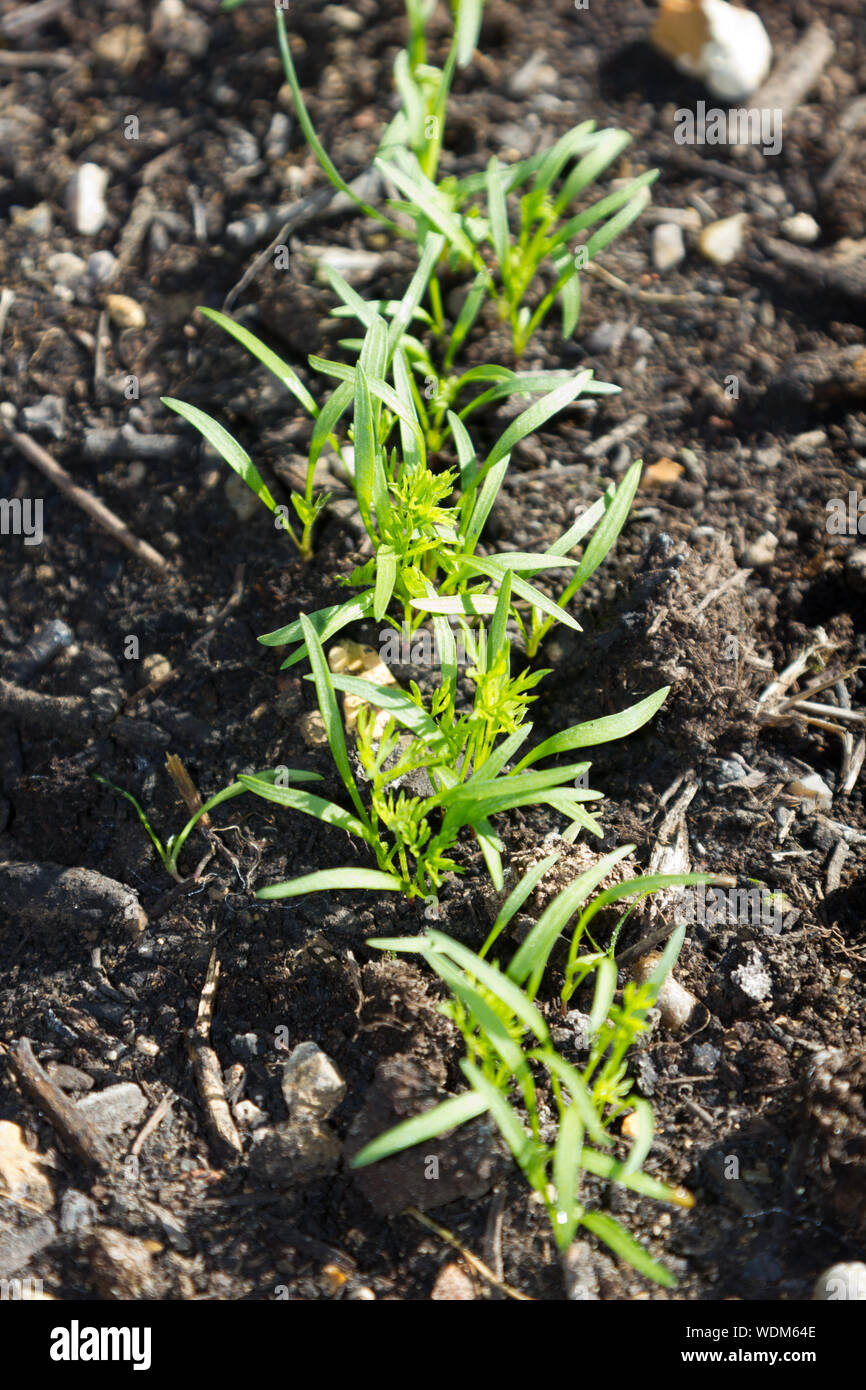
(206, 1069)
(72, 1128)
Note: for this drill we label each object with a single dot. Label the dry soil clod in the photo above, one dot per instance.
(49, 895)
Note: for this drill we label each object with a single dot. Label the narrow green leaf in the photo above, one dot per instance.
(386, 577)
(281, 370)
(584, 523)
(326, 621)
(469, 311)
(628, 1249)
(326, 811)
(330, 714)
(498, 216)
(606, 1166)
(507, 1119)
(472, 605)
(499, 757)
(485, 499)
(517, 897)
(395, 701)
(334, 408)
(425, 197)
(327, 880)
(595, 731)
(491, 848)
(537, 415)
(607, 145)
(430, 1125)
(617, 224)
(566, 1175)
(577, 1089)
(608, 528)
(567, 147)
(536, 949)
(528, 592)
(226, 445)
(469, 15)
(605, 988)
(498, 640)
(500, 985)
(432, 250)
(644, 1137)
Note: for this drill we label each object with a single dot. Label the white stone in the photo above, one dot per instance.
(812, 790)
(675, 1003)
(761, 553)
(722, 241)
(175, 27)
(801, 228)
(668, 246)
(66, 269)
(724, 45)
(86, 199)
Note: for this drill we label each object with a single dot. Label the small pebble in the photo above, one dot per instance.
(66, 269)
(86, 199)
(249, 1115)
(123, 46)
(534, 76)
(174, 27)
(812, 791)
(355, 267)
(753, 978)
(607, 337)
(761, 553)
(48, 416)
(801, 228)
(125, 312)
(78, 1212)
(344, 17)
(630, 1127)
(453, 1285)
(245, 1046)
(115, 1107)
(100, 269)
(21, 1177)
(721, 242)
(241, 499)
(38, 220)
(122, 1265)
(278, 136)
(675, 1003)
(311, 1082)
(155, 667)
(805, 445)
(668, 246)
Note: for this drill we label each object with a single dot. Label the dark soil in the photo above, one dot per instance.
(747, 1090)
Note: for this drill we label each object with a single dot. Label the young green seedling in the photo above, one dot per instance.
(508, 1046)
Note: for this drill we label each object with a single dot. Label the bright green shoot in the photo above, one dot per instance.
(507, 1040)
(472, 214)
(464, 755)
(169, 852)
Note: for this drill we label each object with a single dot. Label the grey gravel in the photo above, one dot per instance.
(114, 1108)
